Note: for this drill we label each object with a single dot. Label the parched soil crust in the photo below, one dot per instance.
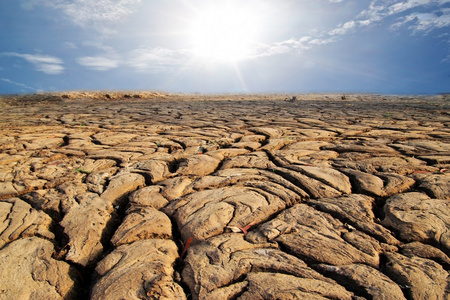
(145, 195)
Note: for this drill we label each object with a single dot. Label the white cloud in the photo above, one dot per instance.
(157, 59)
(99, 13)
(45, 63)
(39, 59)
(272, 49)
(425, 22)
(403, 6)
(415, 17)
(142, 59)
(98, 63)
(70, 45)
(365, 22)
(379, 12)
(281, 47)
(51, 69)
(98, 44)
(322, 41)
(410, 12)
(343, 29)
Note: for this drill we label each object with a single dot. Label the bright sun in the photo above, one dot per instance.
(224, 33)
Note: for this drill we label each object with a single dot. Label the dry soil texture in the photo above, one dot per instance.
(152, 196)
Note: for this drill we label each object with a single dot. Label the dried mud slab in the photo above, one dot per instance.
(418, 218)
(316, 236)
(421, 278)
(142, 223)
(281, 286)
(426, 251)
(357, 212)
(224, 260)
(19, 220)
(208, 213)
(28, 271)
(141, 270)
(436, 185)
(370, 281)
(122, 185)
(84, 225)
(153, 196)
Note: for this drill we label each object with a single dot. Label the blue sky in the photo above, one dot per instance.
(226, 46)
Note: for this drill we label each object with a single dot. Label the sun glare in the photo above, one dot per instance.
(224, 33)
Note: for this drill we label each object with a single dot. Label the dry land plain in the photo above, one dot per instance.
(159, 196)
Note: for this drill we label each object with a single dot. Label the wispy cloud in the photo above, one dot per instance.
(98, 44)
(425, 22)
(415, 15)
(281, 47)
(99, 14)
(378, 10)
(410, 12)
(22, 85)
(344, 28)
(98, 63)
(45, 63)
(156, 59)
(70, 45)
(142, 59)
(159, 59)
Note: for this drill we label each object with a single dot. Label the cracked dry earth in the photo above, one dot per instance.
(270, 199)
